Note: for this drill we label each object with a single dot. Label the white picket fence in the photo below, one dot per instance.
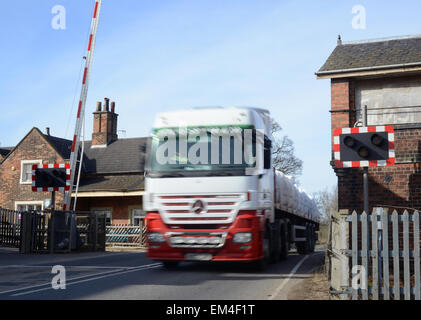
(381, 255)
(125, 235)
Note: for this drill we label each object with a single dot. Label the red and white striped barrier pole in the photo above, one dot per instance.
(82, 102)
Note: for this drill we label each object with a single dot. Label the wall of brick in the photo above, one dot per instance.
(120, 206)
(33, 147)
(396, 186)
(104, 127)
(342, 104)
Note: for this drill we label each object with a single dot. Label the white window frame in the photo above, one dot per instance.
(21, 203)
(22, 163)
(131, 208)
(93, 209)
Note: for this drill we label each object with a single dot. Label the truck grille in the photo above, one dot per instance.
(180, 209)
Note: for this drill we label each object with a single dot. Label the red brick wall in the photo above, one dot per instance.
(398, 186)
(120, 206)
(402, 190)
(343, 104)
(33, 147)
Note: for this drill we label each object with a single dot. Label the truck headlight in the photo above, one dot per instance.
(156, 237)
(242, 237)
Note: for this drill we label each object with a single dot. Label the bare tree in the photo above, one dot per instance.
(283, 155)
(327, 202)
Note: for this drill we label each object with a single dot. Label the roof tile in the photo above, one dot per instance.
(380, 53)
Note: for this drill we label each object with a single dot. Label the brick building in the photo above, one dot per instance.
(112, 170)
(384, 75)
(16, 169)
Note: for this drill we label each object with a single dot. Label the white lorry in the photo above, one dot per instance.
(211, 193)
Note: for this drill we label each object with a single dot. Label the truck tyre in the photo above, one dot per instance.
(170, 264)
(284, 242)
(303, 247)
(261, 264)
(312, 239)
(275, 255)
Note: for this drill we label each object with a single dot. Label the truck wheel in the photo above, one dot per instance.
(170, 264)
(260, 265)
(275, 255)
(303, 247)
(312, 239)
(284, 242)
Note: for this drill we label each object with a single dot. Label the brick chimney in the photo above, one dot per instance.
(105, 124)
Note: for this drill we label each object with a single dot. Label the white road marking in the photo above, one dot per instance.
(77, 278)
(67, 267)
(81, 257)
(282, 285)
(117, 273)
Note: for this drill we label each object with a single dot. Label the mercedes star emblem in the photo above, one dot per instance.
(198, 206)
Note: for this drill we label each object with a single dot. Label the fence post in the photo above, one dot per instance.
(354, 249)
(406, 266)
(95, 228)
(339, 260)
(52, 232)
(396, 273)
(375, 254)
(385, 239)
(417, 255)
(364, 252)
(328, 267)
(26, 232)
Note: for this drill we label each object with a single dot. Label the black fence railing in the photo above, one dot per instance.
(52, 231)
(10, 228)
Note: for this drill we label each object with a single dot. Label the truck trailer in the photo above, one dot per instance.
(211, 193)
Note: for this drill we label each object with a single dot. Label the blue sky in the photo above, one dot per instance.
(162, 55)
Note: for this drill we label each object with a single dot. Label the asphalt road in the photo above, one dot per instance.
(130, 275)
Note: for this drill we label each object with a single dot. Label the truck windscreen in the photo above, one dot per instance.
(202, 151)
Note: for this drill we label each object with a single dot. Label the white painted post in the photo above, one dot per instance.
(364, 250)
(386, 277)
(375, 256)
(396, 271)
(417, 255)
(406, 268)
(339, 261)
(354, 249)
(344, 257)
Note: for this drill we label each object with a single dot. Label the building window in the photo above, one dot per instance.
(107, 212)
(137, 216)
(26, 170)
(23, 206)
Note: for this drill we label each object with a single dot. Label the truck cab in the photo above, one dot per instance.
(210, 187)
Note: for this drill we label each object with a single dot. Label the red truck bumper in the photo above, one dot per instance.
(246, 221)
